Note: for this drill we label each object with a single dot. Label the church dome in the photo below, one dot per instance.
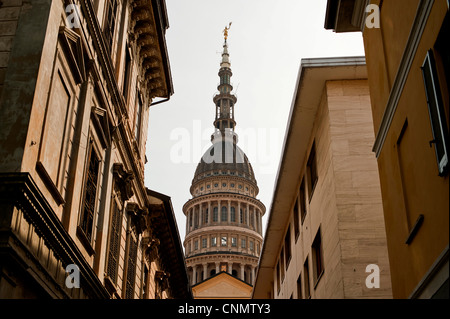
(224, 158)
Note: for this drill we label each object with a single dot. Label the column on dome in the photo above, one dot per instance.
(219, 210)
(187, 222)
(194, 275)
(205, 271)
(257, 219)
(217, 267)
(246, 214)
(238, 213)
(200, 215)
(253, 275)
(209, 213)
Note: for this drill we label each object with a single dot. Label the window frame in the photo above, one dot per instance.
(306, 279)
(302, 197)
(287, 247)
(109, 29)
(87, 239)
(436, 112)
(312, 171)
(317, 258)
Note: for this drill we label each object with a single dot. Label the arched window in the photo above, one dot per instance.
(241, 216)
(224, 215)
(206, 216)
(216, 214)
(233, 215)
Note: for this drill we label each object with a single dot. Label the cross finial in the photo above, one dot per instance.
(225, 31)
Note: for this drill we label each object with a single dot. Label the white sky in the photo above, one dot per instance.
(266, 42)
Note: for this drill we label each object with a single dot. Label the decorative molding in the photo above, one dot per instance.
(40, 169)
(423, 12)
(71, 43)
(20, 191)
(123, 181)
(138, 217)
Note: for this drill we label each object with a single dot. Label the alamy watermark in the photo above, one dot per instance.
(373, 280)
(261, 145)
(73, 277)
(373, 16)
(73, 16)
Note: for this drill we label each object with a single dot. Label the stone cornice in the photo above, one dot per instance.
(213, 229)
(224, 197)
(222, 257)
(234, 178)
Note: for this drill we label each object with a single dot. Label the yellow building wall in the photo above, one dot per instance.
(407, 164)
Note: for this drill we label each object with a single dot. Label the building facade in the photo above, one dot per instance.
(223, 218)
(408, 63)
(326, 222)
(77, 79)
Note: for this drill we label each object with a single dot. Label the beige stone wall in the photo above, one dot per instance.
(345, 203)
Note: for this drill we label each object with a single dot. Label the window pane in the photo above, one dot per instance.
(436, 111)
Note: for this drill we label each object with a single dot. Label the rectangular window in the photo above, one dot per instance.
(131, 272)
(138, 124)
(213, 241)
(206, 216)
(244, 243)
(302, 201)
(299, 287)
(306, 279)
(204, 243)
(317, 257)
(436, 112)
(233, 241)
(296, 219)
(224, 214)
(252, 246)
(110, 22)
(114, 243)
(127, 74)
(287, 247)
(223, 241)
(90, 194)
(282, 264)
(278, 278)
(196, 245)
(145, 284)
(312, 171)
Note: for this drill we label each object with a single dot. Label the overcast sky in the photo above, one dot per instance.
(266, 43)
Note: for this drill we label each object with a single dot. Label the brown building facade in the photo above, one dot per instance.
(326, 225)
(77, 79)
(408, 63)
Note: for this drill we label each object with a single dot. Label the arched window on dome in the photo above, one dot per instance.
(241, 216)
(233, 215)
(216, 214)
(206, 216)
(224, 214)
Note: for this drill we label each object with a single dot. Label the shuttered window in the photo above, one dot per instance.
(114, 244)
(90, 194)
(131, 272)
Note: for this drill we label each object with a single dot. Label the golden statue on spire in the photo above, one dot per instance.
(225, 31)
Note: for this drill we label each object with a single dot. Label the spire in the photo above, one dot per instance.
(225, 100)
